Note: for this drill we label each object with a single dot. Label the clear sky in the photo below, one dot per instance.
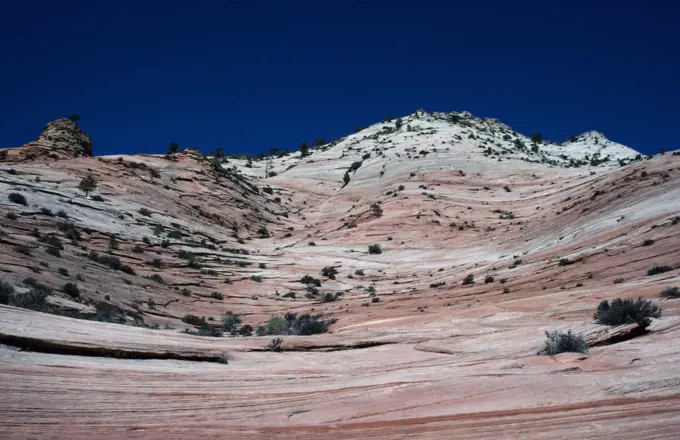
(251, 75)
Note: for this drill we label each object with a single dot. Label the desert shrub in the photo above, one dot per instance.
(177, 235)
(670, 292)
(292, 324)
(289, 295)
(230, 322)
(488, 279)
(138, 249)
(97, 198)
(53, 251)
(12, 216)
(193, 320)
(329, 272)
(659, 269)
(469, 279)
(246, 330)
(263, 232)
(311, 243)
(329, 297)
(256, 278)
(46, 211)
(127, 269)
(63, 271)
(626, 311)
(62, 214)
(6, 292)
(17, 198)
(158, 263)
(69, 230)
(648, 242)
(157, 278)
(557, 342)
(275, 344)
(51, 240)
(262, 266)
(72, 290)
(185, 292)
(374, 249)
(24, 250)
(217, 295)
(439, 284)
(307, 279)
(564, 262)
(619, 281)
(359, 272)
(145, 212)
(113, 243)
(268, 190)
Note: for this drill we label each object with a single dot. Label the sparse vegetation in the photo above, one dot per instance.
(329, 272)
(626, 311)
(470, 279)
(557, 342)
(648, 242)
(72, 290)
(659, 269)
(670, 292)
(374, 249)
(145, 212)
(17, 198)
(564, 262)
(488, 279)
(292, 324)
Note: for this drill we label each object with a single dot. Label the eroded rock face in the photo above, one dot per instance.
(415, 351)
(60, 139)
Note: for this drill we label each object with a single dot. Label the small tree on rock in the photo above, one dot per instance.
(173, 147)
(304, 149)
(74, 117)
(536, 138)
(88, 184)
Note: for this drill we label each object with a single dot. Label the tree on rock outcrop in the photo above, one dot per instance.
(304, 149)
(88, 184)
(537, 138)
(74, 117)
(173, 148)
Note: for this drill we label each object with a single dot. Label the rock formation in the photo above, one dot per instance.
(487, 240)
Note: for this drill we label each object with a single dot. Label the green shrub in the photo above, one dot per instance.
(439, 284)
(564, 262)
(289, 295)
(469, 279)
(292, 324)
(193, 320)
(46, 211)
(359, 272)
(307, 279)
(557, 342)
(17, 198)
(63, 271)
(659, 269)
(53, 251)
(329, 272)
(62, 214)
(626, 311)
(72, 290)
(217, 295)
(374, 249)
(145, 212)
(648, 242)
(256, 278)
(12, 216)
(488, 279)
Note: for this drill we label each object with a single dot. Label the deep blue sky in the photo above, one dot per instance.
(248, 76)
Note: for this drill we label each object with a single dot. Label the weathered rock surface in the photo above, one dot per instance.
(414, 352)
(60, 139)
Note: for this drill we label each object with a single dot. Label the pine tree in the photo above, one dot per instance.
(304, 149)
(172, 149)
(88, 184)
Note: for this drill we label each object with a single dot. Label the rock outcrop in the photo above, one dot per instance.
(488, 240)
(60, 139)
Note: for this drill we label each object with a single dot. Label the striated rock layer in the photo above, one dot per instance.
(546, 230)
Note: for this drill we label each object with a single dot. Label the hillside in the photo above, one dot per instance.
(485, 240)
